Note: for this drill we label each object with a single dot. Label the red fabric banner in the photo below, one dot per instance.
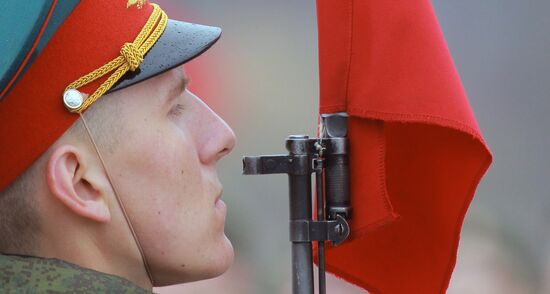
(417, 154)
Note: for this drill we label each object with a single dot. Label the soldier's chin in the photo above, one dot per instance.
(216, 264)
(223, 263)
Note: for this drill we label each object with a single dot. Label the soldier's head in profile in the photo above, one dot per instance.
(108, 160)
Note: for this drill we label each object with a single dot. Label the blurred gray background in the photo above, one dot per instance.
(263, 80)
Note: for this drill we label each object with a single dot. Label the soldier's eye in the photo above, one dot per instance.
(177, 110)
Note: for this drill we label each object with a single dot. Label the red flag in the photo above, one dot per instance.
(416, 151)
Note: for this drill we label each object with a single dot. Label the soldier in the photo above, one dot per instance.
(108, 163)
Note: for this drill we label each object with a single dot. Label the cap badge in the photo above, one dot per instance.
(139, 3)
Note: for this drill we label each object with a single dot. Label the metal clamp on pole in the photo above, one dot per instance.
(327, 157)
(335, 231)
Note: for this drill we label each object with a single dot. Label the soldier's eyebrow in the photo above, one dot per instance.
(177, 88)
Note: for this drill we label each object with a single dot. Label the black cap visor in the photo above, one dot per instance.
(180, 42)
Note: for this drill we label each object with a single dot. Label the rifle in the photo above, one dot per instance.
(327, 157)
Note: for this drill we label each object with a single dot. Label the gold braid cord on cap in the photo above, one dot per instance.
(131, 56)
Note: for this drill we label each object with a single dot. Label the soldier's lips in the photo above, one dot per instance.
(219, 202)
(220, 209)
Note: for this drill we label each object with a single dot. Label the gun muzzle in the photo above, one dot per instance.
(335, 131)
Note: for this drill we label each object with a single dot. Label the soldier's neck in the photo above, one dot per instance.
(94, 247)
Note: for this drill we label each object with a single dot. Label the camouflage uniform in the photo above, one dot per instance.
(22, 274)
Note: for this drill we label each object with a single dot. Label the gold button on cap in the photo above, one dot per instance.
(73, 99)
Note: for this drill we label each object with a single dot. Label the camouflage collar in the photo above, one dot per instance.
(26, 274)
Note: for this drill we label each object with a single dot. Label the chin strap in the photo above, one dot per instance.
(120, 203)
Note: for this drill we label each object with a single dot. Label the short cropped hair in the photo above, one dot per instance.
(19, 220)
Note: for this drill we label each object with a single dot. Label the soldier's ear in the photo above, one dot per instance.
(75, 181)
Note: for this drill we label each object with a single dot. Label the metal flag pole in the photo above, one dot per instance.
(327, 157)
